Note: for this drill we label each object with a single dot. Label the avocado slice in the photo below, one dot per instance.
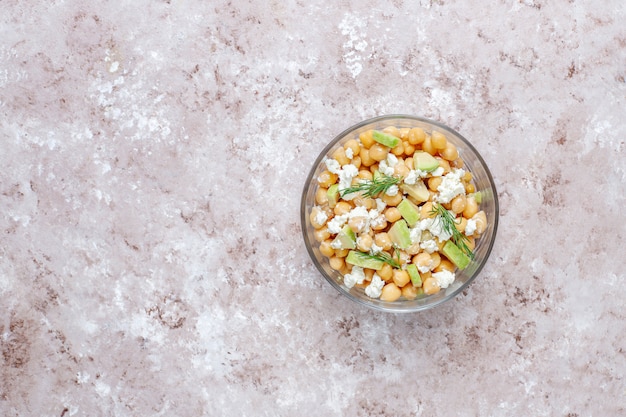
(363, 260)
(333, 195)
(418, 191)
(345, 239)
(455, 255)
(385, 139)
(416, 278)
(425, 161)
(409, 212)
(400, 234)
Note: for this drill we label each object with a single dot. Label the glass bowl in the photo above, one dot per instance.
(482, 181)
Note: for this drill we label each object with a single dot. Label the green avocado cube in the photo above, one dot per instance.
(345, 239)
(414, 274)
(385, 139)
(363, 260)
(333, 195)
(418, 191)
(425, 161)
(409, 211)
(455, 255)
(400, 235)
(478, 196)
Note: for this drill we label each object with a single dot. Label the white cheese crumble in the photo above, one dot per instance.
(444, 278)
(425, 268)
(416, 234)
(470, 227)
(332, 165)
(321, 216)
(375, 288)
(375, 249)
(357, 276)
(336, 223)
(349, 153)
(380, 204)
(346, 175)
(429, 246)
(435, 227)
(384, 168)
(450, 186)
(438, 172)
(392, 191)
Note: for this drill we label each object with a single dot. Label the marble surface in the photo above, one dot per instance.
(153, 154)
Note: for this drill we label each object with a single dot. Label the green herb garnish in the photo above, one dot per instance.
(372, 188)
(384, 257)
(448, 222)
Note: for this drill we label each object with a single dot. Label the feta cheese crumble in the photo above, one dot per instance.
(444, 278)
(321, 216)
(375, 288)
(450, 186)
(357, 276)
(470, 227)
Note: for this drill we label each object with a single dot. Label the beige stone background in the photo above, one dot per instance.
(152, 159)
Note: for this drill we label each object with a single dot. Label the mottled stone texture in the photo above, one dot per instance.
(152, 159)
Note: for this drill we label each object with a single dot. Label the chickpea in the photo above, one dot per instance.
(400, 277)
(458, 203)
(445, 265)
(392, 130)
(409, 149)
(354, 145)
(401, 170)
(444, 164)
(423, 261)
(431, 286)
(471, 208)
(416, 136)
(313, 218)
(435, 260)
(409, 292)
(386, 272)
(481, 222)
(460, 223)
(438, 140)
(365, 174)
(356, 161)
(366, 159)
(321, 196)
(392, 214)
(340, 156)
(378, 152)
(426, 211)
(379, 223)
(337, 263)
(434, 182)
(358, 224)
(470, 188)
(450, 152)
(392, 200)
(366, 202)
(367, 139)
(404, 132)
(342, 253)
(321, 234)
(398, 150)
(369, 273)
(383, 241)
(326, 249)
(326, 179)
(342, 207)
(427, 146)
(390, 292)
(364, 242)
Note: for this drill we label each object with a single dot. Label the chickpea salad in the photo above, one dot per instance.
(396, 213)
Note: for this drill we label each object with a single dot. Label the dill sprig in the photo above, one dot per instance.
(448, 222)
(372, 188)
(384, 257)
